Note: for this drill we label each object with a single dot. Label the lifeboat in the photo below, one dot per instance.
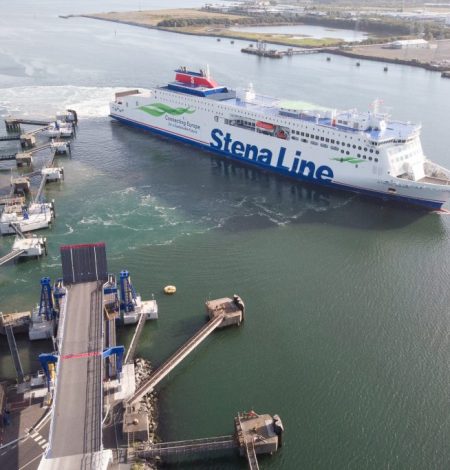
(265, 125)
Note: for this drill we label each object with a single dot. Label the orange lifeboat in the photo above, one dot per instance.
(265, 125)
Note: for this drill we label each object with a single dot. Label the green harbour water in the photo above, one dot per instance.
(346, 335)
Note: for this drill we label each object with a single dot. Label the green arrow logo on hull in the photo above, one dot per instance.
(158, 109)
(352, 160)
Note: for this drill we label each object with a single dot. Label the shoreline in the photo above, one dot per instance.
(221, 34)
(336, 50)
(388, 60)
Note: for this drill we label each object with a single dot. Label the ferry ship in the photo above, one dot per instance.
(361, 152)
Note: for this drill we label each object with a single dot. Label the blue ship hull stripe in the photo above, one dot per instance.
(425, 203)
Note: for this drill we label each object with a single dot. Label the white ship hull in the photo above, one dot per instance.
(210, 125)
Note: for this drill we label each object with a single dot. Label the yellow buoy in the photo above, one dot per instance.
(170, 290)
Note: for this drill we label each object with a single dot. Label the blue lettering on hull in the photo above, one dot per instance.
(224, 143)
(251, 157)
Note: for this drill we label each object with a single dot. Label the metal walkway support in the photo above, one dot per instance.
(135, 339)
(14, 352)
(4, 138)
(188, 447)
(175, 359)
(10, 256)
(17, 229)
(10, 156)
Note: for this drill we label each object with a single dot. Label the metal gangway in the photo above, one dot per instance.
(190, 446)
(135, 339)
(37, 197)
(14, 352)
(250, 453)
(10, 256)
(15, 253)
(175, 359)
(17, 229)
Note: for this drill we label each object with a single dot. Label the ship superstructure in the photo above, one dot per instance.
(363, 152)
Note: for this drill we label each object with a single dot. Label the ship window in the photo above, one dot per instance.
(365, 149)
(304, 140)
(354, 146)
(371, 150)
(307, 135)
(370, 158)
(337, 142)
(332, 141)
(358, 155)
(376, 159)
(302, 133)
(342, 151)
(317, 137)
(127, 104)
(359, 148)
(348, 145)
(347, 152)
(343, 144)
(327, 139)
(377, 152)
(364, 157)
(322, 139)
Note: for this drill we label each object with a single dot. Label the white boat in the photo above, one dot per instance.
(362, 152)
(21, 219)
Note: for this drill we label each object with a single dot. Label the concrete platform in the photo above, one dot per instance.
(232, 310)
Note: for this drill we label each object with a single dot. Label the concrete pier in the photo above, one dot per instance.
(24, 159)
(232, 310)
(19, 321)
(27, 140)
(12, 125)
(254, 434)
(20, 185)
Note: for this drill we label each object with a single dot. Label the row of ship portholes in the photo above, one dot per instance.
(332, 141)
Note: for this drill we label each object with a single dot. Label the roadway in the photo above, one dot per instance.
(26, 454)
(77, 414)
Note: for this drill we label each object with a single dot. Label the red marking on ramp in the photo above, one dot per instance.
(86, 354)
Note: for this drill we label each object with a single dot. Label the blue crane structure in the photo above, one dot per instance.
(46, 303)
(127, 293)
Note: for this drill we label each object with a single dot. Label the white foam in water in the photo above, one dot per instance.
(46, 101)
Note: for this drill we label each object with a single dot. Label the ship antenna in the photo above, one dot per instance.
(208, 75)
